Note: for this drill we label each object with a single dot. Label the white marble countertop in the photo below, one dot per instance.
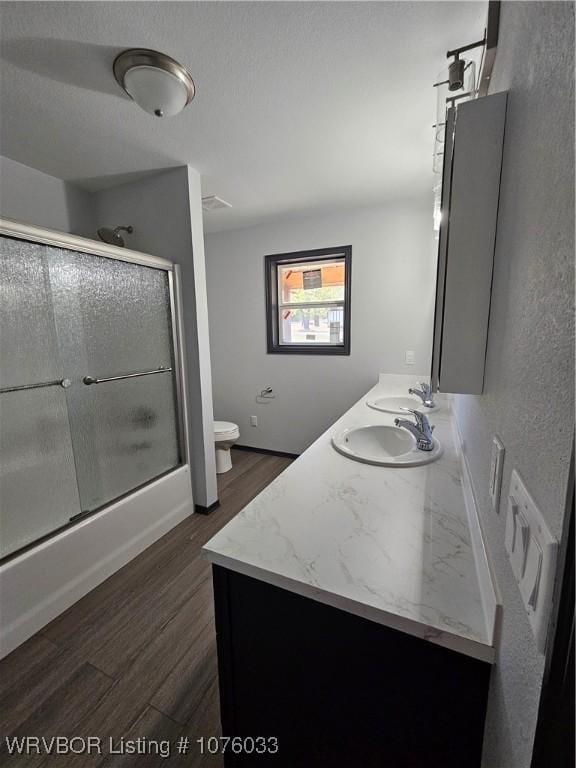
(393, 545)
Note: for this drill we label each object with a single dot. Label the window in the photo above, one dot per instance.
(308, 302)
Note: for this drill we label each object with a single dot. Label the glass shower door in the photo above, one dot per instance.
(88, 395)
(38, 490)
(114, 327)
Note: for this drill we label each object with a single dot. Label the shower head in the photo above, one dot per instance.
(112, 237)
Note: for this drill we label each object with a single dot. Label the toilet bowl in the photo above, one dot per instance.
(225, 435)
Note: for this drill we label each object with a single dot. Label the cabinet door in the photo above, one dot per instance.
(471, 182)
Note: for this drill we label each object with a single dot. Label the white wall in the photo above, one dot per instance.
(198, 341)
(529, 389)
(165, 210)
(33, 197)
(393, 276)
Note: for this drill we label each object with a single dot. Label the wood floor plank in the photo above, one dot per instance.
(205, 722)
(261, 475)
(59, 714)
(79, 621)
(117, 711)
(83, 619)
(242, 462)
(150, 626)
(113, 645)
(187, 684)
(23, 660)
(151, 727)
(240, 492)
(34, 687)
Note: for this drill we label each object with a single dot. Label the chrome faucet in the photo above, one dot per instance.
(425, 394)
(422, 430)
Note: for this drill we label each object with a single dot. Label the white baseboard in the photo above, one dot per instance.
(44, 581)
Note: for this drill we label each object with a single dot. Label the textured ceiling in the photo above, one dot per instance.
(299, 105)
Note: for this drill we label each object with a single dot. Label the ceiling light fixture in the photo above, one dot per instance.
(155, 81)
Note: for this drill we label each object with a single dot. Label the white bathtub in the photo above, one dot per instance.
(42, 582)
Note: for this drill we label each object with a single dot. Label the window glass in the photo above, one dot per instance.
(302, 283)
(308, 301)
(312, 325)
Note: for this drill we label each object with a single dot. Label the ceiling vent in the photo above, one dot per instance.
(214, 203)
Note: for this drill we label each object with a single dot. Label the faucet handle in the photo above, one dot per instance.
(421, 419)
(426, 394)
(415, 411)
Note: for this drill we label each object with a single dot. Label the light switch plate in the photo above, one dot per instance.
(496, 465)
(532, 557)
(410, 357)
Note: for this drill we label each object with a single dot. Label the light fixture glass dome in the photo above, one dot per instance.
(158, 92)
(156, 82)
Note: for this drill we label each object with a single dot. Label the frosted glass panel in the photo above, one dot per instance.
(38, 491)
(113, 319)
(116, 314)
(124, 437)
(28, 348)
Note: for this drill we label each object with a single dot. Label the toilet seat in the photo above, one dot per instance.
(225, 430)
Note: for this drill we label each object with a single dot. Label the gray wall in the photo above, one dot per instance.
(529, 389)
(393, 274)
(33, 197)
(166, 212)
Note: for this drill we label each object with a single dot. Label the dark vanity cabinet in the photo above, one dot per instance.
(468, 227)
(337, 690)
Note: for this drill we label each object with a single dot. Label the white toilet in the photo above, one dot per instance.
(225, 435)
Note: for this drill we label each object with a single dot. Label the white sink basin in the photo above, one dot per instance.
(383, 445)
(397, 404)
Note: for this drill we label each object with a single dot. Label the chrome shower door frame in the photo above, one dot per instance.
(30, 233)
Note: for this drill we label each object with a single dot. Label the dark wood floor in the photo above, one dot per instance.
(136, 657)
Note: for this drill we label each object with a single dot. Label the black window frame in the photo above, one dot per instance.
(271, 264)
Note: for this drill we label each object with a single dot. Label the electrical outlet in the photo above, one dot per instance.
(496, 465)
(253, 421)
(410, 357)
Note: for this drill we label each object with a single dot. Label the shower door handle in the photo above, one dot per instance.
(93, 380)
(22, 387)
